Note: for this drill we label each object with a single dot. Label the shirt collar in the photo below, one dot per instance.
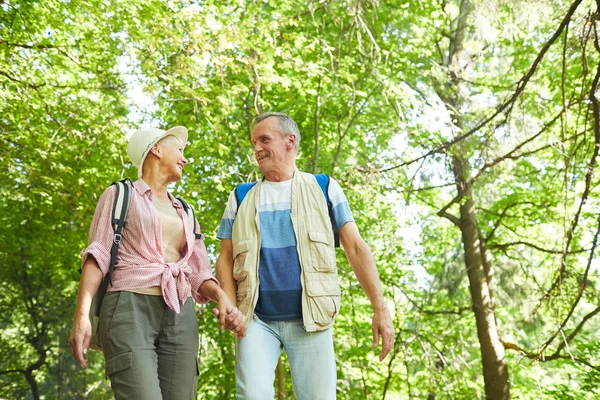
(143, 189)
(141, 186)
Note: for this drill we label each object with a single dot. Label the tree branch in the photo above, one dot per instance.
(423, 189)
(458, 311)
(31, 46)
(588, 175)
(29, 85)
(576, 302)
(508, 103)
(509, 155)
(12, 371)
(502, 246)
(556, 355)
(443, 212)
(500, 218)
(455, 220)
(316, 126)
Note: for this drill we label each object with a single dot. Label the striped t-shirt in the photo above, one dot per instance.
(280, 291)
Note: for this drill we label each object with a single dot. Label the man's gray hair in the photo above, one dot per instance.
(286, 124)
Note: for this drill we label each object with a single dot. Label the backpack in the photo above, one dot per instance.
(118, 219)
(322, 179)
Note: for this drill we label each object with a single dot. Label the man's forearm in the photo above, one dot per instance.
(225, 277)
(362, 263)
(361, 260)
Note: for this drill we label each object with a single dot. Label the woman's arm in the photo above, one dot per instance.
(81, 332)
(229, 316)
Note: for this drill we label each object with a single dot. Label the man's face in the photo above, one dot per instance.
(271, 148)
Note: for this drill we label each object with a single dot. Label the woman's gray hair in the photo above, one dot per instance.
(171, 139)
(286, 124)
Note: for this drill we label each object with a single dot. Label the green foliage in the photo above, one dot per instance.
(370, 85)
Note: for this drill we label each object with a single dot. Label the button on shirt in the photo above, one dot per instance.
(140, 261)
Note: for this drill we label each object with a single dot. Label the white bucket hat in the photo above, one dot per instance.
(142, 141)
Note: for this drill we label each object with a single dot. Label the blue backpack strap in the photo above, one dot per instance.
(323, 181)
(241, 191)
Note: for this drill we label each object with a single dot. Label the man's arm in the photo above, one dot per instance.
(229, 316)
(224, 269)
(224, 274)
(362, 263)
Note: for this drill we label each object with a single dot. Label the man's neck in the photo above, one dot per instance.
(281, 175)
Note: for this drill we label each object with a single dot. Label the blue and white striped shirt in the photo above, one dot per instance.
(280, 291)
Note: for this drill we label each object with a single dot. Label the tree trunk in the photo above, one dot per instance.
(478, 261)
(33, 384)
(281, 392)
(495, 370)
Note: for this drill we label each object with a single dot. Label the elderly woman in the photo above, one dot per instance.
(148, 327)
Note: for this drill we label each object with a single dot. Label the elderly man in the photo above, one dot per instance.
(277, 260)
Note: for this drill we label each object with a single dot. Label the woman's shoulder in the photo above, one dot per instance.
(108, 195)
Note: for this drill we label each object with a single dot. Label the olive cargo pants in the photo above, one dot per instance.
(150, 351)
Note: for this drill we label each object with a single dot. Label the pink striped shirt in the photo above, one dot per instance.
(140, 263)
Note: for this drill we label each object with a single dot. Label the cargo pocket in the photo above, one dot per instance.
(322, 251)
(323, 297)
(240, 253)
(240, 273)
(242, 295)
(116, 309)
(118, 363)
(194, 385)
(108, 311)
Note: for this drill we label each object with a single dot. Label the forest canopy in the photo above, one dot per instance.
(465, 134)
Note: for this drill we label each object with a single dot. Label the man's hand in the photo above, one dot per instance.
(230, 317)
(79, 340)
(383, 328)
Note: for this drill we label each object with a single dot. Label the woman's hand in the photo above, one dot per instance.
(79, 340)
(81, 332)
(229, 316)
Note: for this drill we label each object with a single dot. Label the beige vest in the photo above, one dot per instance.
(316, 251)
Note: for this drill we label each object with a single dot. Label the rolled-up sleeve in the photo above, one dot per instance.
(201, 270)
(100, 236)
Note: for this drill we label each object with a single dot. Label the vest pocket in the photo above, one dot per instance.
(323, 297)
(322, 251)
(240, 253)
(242, 293)
(240, 272)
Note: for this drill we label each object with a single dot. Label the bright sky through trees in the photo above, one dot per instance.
(465, 133)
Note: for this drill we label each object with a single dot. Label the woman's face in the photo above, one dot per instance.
(172, 160)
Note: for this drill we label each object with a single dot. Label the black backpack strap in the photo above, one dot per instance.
(189, 210)
(118, 219)
(101, 293)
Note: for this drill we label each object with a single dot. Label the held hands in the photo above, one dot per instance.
(79, 340)
(230, 317)
(383, 328)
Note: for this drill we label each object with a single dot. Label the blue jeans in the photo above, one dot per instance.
(311, 357)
